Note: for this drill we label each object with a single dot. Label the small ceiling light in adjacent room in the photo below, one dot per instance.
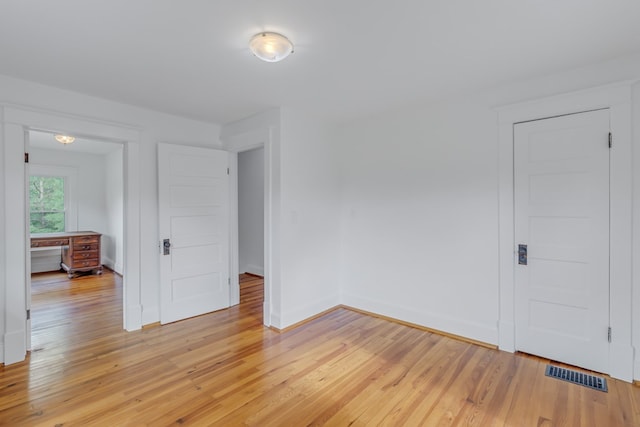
(270, 47)
(64, 139)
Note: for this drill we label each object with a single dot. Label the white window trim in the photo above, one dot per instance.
(70, 175)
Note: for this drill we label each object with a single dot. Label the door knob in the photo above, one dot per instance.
(522, 254)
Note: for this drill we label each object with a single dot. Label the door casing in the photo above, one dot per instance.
(17, 121)
(618, 98)
(561, 175)
(236, 141)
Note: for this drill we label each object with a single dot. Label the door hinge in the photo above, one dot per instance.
(609, 334)
(26, 157)
(28, 314)
(227, 171)
(610, 140)
(229, 281)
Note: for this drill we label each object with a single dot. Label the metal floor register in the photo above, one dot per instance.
(590, 381)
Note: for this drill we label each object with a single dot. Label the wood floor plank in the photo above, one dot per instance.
(225, 368)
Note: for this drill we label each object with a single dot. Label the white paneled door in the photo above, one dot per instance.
(562, 216)
(194, 231)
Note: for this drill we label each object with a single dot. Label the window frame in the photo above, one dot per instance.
(69, 174)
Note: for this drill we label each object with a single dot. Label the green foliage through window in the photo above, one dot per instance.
(46, 204)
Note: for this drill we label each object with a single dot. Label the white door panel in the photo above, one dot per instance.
(194, 215)
(562, 214)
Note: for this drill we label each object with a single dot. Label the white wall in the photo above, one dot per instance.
(113, 239)
(310, 232)
(420, 205)
(420, 230)
(90, 190)
(251, 211)
(151, 127)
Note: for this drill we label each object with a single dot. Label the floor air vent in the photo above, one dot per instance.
(576, 377)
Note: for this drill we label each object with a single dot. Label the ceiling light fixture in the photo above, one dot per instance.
(270, 47)
(64, 139)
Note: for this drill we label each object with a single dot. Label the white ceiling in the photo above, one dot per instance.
(46, 141)
(352, 57)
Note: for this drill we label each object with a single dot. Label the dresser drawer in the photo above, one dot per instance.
(85, 255)
(85, 246)
(86, 239)
(43, 243)
(82, 263)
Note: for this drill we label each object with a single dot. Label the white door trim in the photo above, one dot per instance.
(260, 139)
(18, 119)
(258, 131)
(619, 101)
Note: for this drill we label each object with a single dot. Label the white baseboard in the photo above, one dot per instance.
(299, 314)
(150, 315)
(437, 321)
(45, 259)
(42, 267)
(15, 347)
(118, 268)
(253, 269)
(276, 322)
(267, 320)
(108, 262)
(507, 336)
(133, 317)
(621, 361)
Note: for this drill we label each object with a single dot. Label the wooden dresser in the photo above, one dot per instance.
(80, 249)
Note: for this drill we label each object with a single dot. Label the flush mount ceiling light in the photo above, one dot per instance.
(270, 47)
(64, 139)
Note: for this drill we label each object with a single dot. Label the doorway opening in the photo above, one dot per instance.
(75, 194)
(251, 226)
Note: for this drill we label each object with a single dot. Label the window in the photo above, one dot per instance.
(47, 204)
(53, 198)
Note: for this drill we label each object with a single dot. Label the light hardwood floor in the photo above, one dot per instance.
(226, 369)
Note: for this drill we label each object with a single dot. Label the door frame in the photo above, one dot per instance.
(17, 121)
(250, 142)
(258, 131)
(618, 99)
